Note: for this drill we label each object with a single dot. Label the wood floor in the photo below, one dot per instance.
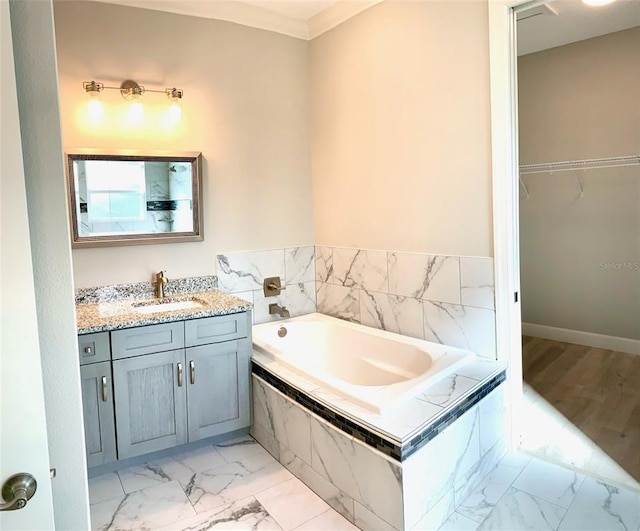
(597, 390)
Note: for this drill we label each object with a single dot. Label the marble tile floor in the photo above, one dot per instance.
(234, 485)
(526, 493)
(238, 485)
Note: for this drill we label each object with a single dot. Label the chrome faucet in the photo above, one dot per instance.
(161, 280)
(279, 310)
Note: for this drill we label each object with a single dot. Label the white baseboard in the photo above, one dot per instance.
(620, 344)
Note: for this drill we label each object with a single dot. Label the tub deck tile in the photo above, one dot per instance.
(372, 429)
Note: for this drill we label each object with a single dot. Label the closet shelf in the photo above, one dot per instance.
(587, 164)
(574, 166)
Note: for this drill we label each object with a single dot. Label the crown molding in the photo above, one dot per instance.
(228, 10)
(255, 16)
(335, 15)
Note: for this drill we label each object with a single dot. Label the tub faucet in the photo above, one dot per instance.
(161, 280)
(277, 309)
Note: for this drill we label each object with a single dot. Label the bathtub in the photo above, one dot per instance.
(375, 369)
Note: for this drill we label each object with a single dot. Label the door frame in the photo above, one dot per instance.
(503, 76)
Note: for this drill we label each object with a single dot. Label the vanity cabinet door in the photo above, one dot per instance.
(150, 400)
(97, 406)
(218, 388)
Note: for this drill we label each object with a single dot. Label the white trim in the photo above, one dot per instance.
(337, 14)
(578, 337)
(230, 11)
(504, 156)
(256, 16)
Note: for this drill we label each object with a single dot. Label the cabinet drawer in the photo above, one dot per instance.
(215, 329)
(97, 407)
(147, 339)
(93, 348)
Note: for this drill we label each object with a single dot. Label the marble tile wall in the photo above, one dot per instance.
(355, 480)
(243, 273)
(447, 299)
(365, 486)
(441, 475)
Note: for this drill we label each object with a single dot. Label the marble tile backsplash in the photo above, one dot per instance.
(446, 299)
(243, 273)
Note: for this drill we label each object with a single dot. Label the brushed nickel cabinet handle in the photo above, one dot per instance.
(88, 350)
(179, 374)
(17, 491)
(192, 372)
(104, 388)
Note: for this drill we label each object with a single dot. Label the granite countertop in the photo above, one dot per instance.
(114, 307)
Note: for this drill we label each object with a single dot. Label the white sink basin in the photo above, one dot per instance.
(167, 306)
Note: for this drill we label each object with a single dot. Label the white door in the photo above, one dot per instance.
(23, 431)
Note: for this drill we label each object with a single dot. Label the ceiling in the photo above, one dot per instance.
(566, 21)
(575, 21)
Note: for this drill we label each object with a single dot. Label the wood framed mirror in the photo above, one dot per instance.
(125, 197)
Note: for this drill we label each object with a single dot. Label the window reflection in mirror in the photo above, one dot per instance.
(117, 200)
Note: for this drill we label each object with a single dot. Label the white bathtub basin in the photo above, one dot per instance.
(374, 369)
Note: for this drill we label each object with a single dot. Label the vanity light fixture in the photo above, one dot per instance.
(132, 92)
(596, 3)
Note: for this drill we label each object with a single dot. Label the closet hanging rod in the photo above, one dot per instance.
(588, 164)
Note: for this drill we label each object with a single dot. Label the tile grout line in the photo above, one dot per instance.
(509, 486)
(117, 472)
(316, 516)
(572, 502)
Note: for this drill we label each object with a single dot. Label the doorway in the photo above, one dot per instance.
(578, 184)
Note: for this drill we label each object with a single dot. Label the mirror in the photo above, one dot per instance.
(132, 198)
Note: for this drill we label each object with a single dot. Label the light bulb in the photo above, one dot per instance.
(94, 107)
(175, 113)
(136, 110)
(175, 107)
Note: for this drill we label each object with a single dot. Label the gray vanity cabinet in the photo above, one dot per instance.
(97, 398)
(150, 400)
(218, 389)
(180, 382)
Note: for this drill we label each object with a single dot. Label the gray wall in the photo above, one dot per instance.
(580, 258)
(245, 107)
(400, 130)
